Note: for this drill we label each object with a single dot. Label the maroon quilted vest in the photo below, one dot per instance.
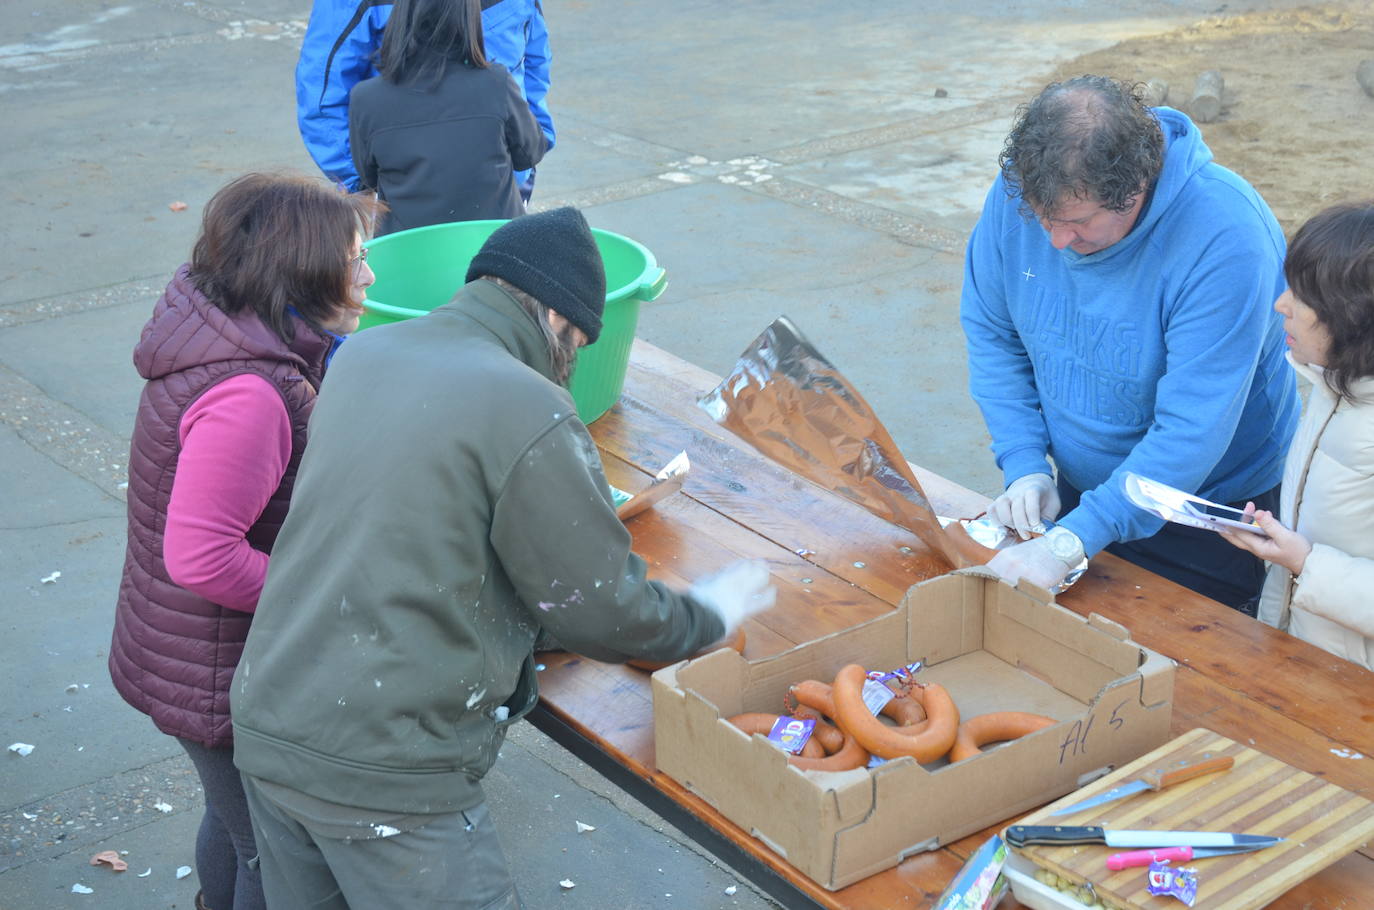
(174, 653)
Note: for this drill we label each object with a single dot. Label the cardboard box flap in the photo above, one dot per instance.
(1049, 642)
(879, 642)
(944, 617)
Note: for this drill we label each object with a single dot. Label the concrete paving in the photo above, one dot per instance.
(815, 159)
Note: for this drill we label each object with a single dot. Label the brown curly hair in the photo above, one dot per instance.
(1090, 138)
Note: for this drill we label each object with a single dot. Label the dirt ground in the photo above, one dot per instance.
(1295, 122)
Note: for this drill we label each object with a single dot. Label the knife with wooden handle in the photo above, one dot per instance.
(1156, 779)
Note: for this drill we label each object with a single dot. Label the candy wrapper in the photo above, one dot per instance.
(1168, 880)
(980, 885)
(786, 400)
(791, 733)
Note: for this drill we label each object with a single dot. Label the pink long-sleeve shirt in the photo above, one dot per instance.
(235, 445)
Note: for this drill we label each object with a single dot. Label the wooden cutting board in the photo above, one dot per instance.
(1259, 795)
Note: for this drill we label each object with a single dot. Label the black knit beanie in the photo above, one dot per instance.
(551, 256)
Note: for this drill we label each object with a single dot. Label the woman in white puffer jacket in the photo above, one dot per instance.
(1321, 572)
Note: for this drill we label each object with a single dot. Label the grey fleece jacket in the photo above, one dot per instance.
(449, 506)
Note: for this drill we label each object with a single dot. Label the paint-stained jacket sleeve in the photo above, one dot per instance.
(568, 556)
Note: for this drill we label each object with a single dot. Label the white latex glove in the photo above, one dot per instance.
(1032, 561)
(737, 592)
(1028, 501)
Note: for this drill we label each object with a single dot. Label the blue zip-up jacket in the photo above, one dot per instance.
(338, 50)
(1160, 354)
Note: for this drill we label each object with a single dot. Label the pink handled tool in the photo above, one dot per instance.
(1118, 861)
(1183, 854)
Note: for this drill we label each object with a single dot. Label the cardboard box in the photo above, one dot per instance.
(995, 648)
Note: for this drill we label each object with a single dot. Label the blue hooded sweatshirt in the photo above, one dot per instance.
(1160, 354)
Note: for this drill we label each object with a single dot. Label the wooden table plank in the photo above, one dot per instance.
(1236, 676)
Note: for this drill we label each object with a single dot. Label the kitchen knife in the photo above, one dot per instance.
(1156, 779)
(1057, 835)
(1119, 861)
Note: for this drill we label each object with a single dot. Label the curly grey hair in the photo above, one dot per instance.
(1088, 138)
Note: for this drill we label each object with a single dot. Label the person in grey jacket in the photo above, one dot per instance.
(450, 508)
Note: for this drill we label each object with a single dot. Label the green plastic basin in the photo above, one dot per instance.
(420, 269)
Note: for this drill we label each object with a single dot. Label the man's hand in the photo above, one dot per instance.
(1032, 561)
(1282, 546)
(1028, 501)
(737, 592)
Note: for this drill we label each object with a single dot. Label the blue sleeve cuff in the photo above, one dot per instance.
(1021, 462)
(1093, 529)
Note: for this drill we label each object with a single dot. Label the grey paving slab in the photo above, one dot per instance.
(85, 361)
(154, 845)
(105, 140)
(939, 180)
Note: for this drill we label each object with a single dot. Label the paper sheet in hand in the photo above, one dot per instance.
(1185, 508)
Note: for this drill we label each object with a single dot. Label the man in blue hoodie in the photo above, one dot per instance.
(1117, 307)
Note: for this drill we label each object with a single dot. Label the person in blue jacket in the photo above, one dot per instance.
(339, 51)
(1116, 304)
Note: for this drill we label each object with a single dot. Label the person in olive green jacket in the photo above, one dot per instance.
(450, 508)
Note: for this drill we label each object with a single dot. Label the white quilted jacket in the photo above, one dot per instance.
(1328, 497)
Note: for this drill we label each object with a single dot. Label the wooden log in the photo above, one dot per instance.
(1206, 103)
(1364, 74)
(1156, 92)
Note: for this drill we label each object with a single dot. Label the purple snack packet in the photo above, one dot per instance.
(791, 733)
(1164, 879)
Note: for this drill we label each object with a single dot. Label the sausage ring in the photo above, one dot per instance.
(932, 740)
(993, 728)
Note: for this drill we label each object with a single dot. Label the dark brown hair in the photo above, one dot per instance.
(1090, 138)
(423, 37)
(272, 241)
(1330, 267)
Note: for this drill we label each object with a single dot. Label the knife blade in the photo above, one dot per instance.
(1061, 835)
(1156, 779)
(1118, 861)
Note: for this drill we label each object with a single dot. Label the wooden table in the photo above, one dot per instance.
(836, 565)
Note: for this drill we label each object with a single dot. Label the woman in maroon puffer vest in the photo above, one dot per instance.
(233, 357)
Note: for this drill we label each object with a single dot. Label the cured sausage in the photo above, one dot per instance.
(924, 742)
(905, 709)
(851, 755)
(758, 722)
(992, 728)
(829, 735)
